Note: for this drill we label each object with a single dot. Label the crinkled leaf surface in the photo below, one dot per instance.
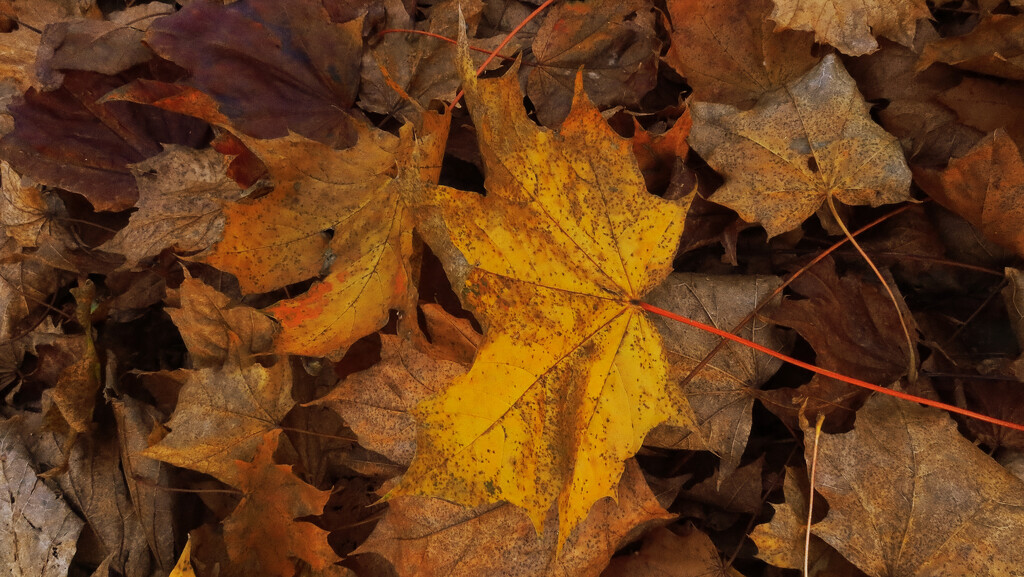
(851, 25)
(571, 374)
(908, 495)
(801, 143)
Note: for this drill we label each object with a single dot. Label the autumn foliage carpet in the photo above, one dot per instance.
(364, 288)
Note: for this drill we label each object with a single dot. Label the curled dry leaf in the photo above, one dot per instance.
(908, 495)
(721, 394)
(182, 192)
(92, 479)
(215, 328)
(426, 537)
(985, 186)
(40, 530)
(801, 143)
(221, 415)
(729, 52)
(581, 367)
(262, 534)
(851, 25)
(153, 507)
(995, 46)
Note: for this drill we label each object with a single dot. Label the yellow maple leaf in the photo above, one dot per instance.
(571, 374)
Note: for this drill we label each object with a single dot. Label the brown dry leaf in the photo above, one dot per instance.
(721, 393)
(214, 327)
(658, 153)
(729, 53)
(666, 554)
(40, 530)
(426, 537)
(995, 46)
(25, 285)
(262, 535)
(39, 13)
(153, 507)
(854, 331)
(781, 541)
(107, 46)
(94, 482)
(908, 495)
(989, 105)
(739, 491)
(17, 60)
(852, 25)
(74, 396)
(27, 213)
(451, 338)
(421, 67)
(275, 69)
(985, 186)
(801, 143)
(221, 415)
(613, 41)
(377, 403)
(182, 192)
(928, 131)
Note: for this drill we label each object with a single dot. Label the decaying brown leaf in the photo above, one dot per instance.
(40, 529)
(908, 495)
(666, 554)
(182, 193)
(730, 53)
(215, 328)
(720, 394)
(424, 537)
(851, 25)
(811, 139)
(222, 414)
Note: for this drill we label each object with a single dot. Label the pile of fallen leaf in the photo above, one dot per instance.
(271, 304)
